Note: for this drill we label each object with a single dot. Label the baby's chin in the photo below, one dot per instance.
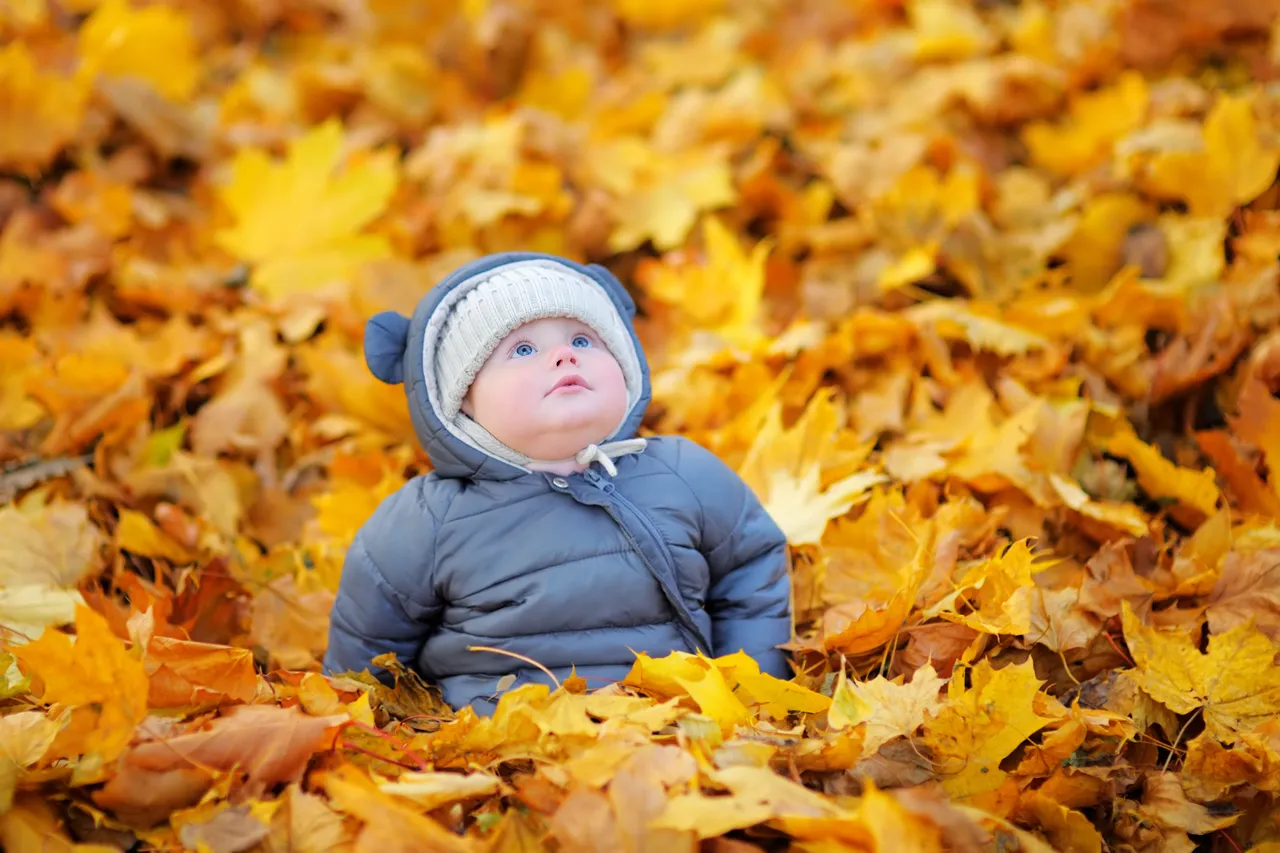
(563, 434)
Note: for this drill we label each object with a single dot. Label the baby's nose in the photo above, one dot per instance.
(563, 354)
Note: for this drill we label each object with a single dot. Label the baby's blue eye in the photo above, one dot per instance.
(523, 350)
(581, 341)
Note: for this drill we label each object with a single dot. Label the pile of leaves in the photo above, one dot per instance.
(980, 297)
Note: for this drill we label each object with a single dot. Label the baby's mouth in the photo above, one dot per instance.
(573, 380)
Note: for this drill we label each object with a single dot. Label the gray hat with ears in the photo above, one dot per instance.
(459, 323)
(504, 301)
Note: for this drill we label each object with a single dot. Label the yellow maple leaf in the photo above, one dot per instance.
(1233, 169)
(888, 709)
(1097, 120)
(1196, 256)
(695, 676)
(1066, 828)
(663, 14)
(39, 112)
(17, 356)
(297, 221)
(946, 29)
(772, 697)
(137, 534)
(976, 323)
(757, 794)
(155, 43)
(1003, 586)
(721, 295)
(347, 504)
(980, 725)
(431, 790)
(784, 468)
(1094, 251)
(666, 196)
(916, 214)
(1116, 514)
(1158, 477)
(99, 679)
(1234, 683)
(387, 820)
(1128, 300)
(861, 624)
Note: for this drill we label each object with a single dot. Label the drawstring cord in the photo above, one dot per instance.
(607, 452)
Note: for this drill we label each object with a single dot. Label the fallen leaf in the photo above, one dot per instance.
(888, 709)
(264, 196)
(305, 824)
(41, 111)
(1234, 683)
(388, 826)
(264, 743)
(137, 534)
(1248, 590)
(980, 725)
(53, 545)
(1233, 169)
(184, 674)
(96, 677)
(155, 43)
(757, 795)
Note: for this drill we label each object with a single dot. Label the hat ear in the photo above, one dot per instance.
(385, 337)
(614, 288)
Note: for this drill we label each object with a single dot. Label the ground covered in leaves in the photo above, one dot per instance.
(980, 297)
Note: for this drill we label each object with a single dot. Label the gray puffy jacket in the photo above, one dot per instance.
(674, 552)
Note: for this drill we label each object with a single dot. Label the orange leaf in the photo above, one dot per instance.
(99, 678)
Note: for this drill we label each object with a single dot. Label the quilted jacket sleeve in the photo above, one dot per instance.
(750, 595)
(386, 601)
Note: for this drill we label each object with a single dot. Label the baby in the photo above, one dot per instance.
(547, 529)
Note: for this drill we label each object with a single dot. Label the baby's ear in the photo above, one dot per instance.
(385, 337)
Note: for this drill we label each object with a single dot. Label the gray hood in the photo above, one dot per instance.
(394, 350)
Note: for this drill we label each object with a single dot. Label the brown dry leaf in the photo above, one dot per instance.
(263, 744)
(1248, 590)
(185, 674)
(1211, 769)
(229, 829)
(292, 621)
(1058, 621)
(1165, 802)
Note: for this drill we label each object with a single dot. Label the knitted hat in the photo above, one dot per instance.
(506, 299)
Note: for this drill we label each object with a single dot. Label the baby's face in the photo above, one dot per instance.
(549, 389)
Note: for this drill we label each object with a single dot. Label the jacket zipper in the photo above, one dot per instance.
(673, 595)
